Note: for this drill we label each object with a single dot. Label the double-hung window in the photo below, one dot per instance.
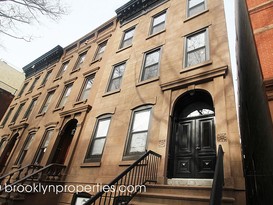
(96, 147)
(100, 51)
(88, 82)
(47, 76)
(80, 60)
(127, 38)
(25, 148)
(138, 133)
(23, 89)
(17, 112)
(7, 117)
(116, 77)
(33, 84)
(66, 93)
(30, 108)
(150, 67)
(158, 23)
(197, 49)
(44, 145)
(47, 102)
(62, 69)
(195, 7)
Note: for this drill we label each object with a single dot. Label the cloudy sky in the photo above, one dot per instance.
(83, 15)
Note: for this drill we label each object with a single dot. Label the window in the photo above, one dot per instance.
(100, 51)
(127, 38)
(151, 64)
(88, 82)
(25, 148)
(30, 108)
(80, 60)
(7, 117)
(116, 78)
(17, 112)
(98, 140)
(33, 84)
(44, 145)
(66, 93)
(158, 23)
(139, 131)
(196, 48)
(62, 69)
(3, 143)
(47, 101)
(47, 76)
(23, 89)
(195, 7)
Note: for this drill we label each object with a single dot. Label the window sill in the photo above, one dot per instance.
(16, 166)
(59, 78)
(24, 120)
(196, 15)
(111, 93)
(147, 81)
(80, 102)
(90, 164)
(186, 69)
(58, 109)
(74, 71)
(124, 48)
(29, 92)
(40, 115)
(95, 61)
(41, 86)
(126, 163)
(155, 34)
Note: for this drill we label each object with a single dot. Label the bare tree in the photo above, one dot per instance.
(16, 12)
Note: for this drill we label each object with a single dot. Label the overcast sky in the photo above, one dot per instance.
(83, 17)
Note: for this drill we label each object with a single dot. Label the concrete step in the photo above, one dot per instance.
(161, 194)
(174, 199)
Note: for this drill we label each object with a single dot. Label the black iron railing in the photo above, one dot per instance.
(31, 174)
(132, 180)
(218, 179)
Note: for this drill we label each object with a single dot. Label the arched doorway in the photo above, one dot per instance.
(64, 141)
(7, 151)
(192, 151)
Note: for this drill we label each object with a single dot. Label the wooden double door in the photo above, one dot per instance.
(193, 148)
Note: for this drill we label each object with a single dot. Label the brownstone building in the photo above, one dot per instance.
(156, 77)
(260, 12)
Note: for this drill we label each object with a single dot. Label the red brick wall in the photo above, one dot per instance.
(262, 24)
(5, 100)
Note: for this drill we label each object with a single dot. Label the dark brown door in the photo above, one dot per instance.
(194, 148)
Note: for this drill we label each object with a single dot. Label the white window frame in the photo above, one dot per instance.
(144, 68)
(97, 157)
(206, 46)
(153, 25)
(128, 153)
(109, 87)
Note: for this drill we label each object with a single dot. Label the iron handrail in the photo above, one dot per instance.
(133, 175)
(218, 179)
(13, 172)
(29, 176)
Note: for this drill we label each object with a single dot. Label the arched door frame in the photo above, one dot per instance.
(187, 102)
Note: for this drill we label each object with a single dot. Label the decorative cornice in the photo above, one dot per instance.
(84, 108)
(196, 78)
(43, 61)
(134, 8)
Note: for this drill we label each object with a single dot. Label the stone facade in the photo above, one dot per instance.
(75, 119)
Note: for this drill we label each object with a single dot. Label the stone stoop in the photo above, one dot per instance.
(179, 195)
